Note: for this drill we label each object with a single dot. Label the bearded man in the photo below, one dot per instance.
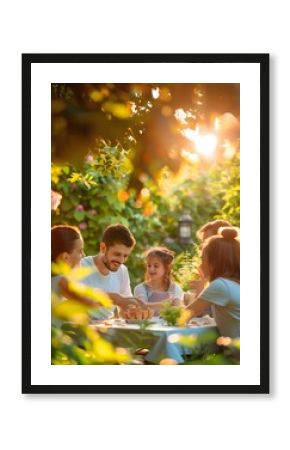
(110, 274)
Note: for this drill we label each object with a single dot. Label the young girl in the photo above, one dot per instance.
(221, 267)
(158, 285)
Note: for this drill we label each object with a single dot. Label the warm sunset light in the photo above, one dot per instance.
(180, 115)
(190, 134)
(229, 149)
(155, 92)
(189, 156)
(217, 124)
(205, 144)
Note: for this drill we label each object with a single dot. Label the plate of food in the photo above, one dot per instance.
(138, 316)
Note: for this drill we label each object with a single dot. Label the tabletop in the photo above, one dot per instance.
(163, 341)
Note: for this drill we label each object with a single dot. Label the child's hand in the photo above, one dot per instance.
(188, 298)
(197, 286)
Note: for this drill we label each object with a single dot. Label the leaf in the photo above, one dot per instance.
(71, 310)
(60, 268)
(80, 272)
(79, 215)
(94, 202)
(74, 177)
(66, 170)
(90, 293)
(105, 352)
(66, 204)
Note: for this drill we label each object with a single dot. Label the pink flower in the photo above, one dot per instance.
(83, 226)
(79, 207)
(89, 157)
(55, 200)
(93, 212)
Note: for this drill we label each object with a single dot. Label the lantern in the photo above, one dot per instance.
(185, 229)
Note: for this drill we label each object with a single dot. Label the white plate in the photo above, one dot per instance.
(202, 321)
(140, 321)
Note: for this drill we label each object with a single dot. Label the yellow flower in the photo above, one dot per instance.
(55, 173)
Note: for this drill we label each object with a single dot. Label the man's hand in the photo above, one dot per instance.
(131, 301)
(124, 302)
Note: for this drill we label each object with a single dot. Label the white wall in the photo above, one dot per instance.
(208, 421)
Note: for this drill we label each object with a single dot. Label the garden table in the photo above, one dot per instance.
(161, 340)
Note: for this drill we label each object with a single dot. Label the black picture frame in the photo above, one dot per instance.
(263, 61)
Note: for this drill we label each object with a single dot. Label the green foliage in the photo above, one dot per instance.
(186, 265)
(73, 339)
(209, 349)
(226, 182)
(73, 343)
(170, 313)
(97, 195)
(105, 201)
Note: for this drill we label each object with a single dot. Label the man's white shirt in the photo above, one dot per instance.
(115, 282)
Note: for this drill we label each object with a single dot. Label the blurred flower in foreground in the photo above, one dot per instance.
(236, 343)
(186, 341)
(184, 318)
(168, 362)
(55, 200)
(74, 339)
(224, 341)
(73, 277)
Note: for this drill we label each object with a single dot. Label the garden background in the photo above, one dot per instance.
(143, 155)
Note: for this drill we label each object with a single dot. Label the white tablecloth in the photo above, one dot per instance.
(155, 338)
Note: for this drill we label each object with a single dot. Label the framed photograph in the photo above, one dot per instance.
(145, 212)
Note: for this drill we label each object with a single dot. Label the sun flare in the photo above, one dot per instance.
(205, 144)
